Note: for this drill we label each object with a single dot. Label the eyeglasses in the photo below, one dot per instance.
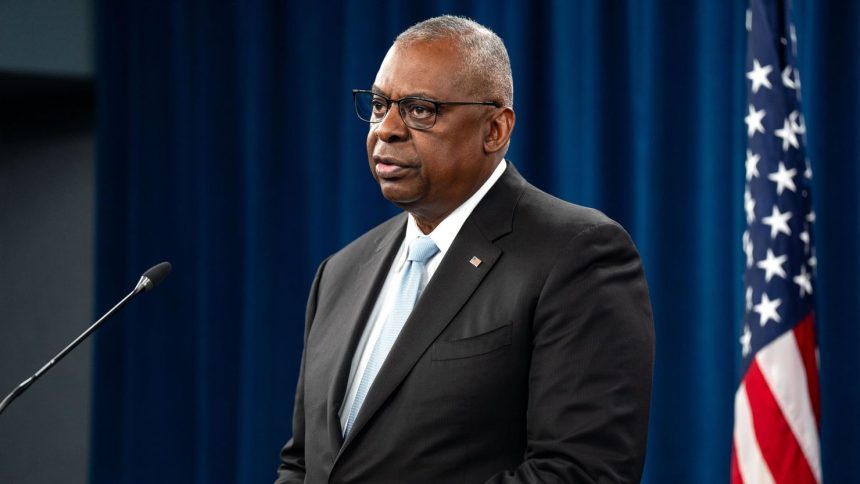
(416, 112)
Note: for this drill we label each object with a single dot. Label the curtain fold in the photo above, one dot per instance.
(227, 144)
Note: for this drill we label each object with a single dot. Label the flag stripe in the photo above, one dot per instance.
(805, 335)
(776, 441)
(737, 478)
(751, 465)
(784, 371)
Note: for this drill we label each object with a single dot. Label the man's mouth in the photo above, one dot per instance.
(390, 168)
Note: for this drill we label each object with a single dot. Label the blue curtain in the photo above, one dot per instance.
(227, 144)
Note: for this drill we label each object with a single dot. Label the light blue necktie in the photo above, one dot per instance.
(411, 284)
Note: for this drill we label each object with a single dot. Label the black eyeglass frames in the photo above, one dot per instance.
(416, 112)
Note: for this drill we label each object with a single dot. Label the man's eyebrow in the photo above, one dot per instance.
(376, 90)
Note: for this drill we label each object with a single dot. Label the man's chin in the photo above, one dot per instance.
(398, 195)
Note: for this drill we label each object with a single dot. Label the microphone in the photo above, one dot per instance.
(147, 282)
(153, 277)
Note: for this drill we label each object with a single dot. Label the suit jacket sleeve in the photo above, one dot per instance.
(591, 366)
(292, 467)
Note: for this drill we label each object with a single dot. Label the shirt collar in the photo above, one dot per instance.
(445, 233)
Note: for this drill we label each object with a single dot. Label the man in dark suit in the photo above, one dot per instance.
(528, 354)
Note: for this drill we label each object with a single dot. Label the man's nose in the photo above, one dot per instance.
(392, 128)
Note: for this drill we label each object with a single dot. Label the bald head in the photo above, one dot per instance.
(485, 67)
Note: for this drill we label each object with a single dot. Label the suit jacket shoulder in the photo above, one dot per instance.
(371, 241)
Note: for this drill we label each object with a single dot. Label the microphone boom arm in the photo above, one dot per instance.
(147, 282)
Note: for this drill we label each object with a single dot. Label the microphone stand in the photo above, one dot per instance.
(141, 286)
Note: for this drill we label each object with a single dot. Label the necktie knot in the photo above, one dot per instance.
(421, 249)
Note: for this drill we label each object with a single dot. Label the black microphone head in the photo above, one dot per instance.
(154, 276)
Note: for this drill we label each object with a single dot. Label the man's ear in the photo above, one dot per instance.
(501, 127)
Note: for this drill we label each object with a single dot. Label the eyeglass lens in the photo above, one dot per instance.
(416, 113)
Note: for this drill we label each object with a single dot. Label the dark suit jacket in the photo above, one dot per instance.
(534, 366)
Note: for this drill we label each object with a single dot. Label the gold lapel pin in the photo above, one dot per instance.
(475, 261)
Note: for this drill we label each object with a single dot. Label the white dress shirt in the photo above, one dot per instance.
(443, 235)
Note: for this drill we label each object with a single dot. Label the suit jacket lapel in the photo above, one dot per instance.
(367, 283)
(451, 286)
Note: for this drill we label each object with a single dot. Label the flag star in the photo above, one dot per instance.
(808, 172)
(793, 34)
(748, 248)
(804, 237)
(749, 206)
(787, 79)
(749, 297)
(778, 222)
(804, 280)
(810, 217)
(797, 122)
(783, 178)
(772, 265)
(758, 76)
(753, 121)
(767, 309)
(813, 261)
(788, 135)
(745, 340)
(749, 20)
(752, 164)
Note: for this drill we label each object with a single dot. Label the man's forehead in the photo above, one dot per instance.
(419, 69)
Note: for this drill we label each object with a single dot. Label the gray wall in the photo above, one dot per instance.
(46, 235)
(53, 37)
(46, 275)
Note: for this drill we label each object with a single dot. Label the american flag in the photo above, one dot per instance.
(777, 409)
